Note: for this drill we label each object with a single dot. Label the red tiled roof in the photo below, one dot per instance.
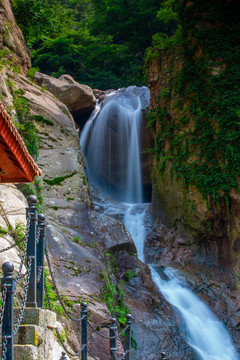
(16, 164)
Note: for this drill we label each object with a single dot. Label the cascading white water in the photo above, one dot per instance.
(134, 222)
(203, 331)
(110, 143)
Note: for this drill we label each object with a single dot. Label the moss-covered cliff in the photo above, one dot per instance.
(195, 121)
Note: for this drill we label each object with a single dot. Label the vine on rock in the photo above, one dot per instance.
(202, 142)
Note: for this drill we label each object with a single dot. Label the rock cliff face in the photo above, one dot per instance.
(90, 252)
(13, 47)
(201, 240)
(80, 240)
(212, 231)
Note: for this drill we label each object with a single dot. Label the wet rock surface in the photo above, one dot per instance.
(216, 285)
(154, 323)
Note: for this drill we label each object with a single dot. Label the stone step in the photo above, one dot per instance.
(35, 339)
(26, 352)
(36, 316)
(29, 335)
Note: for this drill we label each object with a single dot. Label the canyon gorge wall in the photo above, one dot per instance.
(191, 169)
(91, 253)
(194, 103)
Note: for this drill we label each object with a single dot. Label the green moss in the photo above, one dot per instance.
(24, 124)
(52, 296)
(41, 119)
(112, 294)
(59, 179)
(90, 245)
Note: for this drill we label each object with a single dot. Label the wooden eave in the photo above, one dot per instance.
(16, 164)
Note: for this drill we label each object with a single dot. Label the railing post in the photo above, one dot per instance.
(128, 337)
(31, 250)
(84, 313)
(63, 357)
(7, 322)
(113, 340)
(40, 260)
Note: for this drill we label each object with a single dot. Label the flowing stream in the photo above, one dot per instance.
(110, 143)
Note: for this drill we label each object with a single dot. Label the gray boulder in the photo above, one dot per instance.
(77, 97)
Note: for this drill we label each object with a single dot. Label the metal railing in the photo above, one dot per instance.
(35, 286)
(33, 294)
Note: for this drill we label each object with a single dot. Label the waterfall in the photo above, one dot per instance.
(110, 142)
(134, 222)
(111, 146)
(203, 331)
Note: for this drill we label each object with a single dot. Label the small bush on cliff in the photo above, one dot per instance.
(24, 123)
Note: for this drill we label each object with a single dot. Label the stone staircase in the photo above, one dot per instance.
(35, 339)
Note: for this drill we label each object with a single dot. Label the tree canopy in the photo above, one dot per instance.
(98, 42)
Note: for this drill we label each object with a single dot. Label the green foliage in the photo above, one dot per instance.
(167, 12)
(32, 71)
(33, 188)
(8, 59)
(119, 18)
(25, 123)
(77, 239)
(202, 144)
(41, 119)
(26, 189)
(52, 295)
(129, 274)
(3, 231)
(113, 295)
(59, 179)
(100, 43)
(18, 234)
